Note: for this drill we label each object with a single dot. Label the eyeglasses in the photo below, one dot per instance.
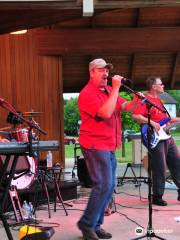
(160, 84)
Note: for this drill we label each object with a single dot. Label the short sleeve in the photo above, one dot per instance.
(89, 103)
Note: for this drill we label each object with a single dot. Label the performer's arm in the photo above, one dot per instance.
(142, 120)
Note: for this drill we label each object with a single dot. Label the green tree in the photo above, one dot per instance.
(127, 122)
(71, 117)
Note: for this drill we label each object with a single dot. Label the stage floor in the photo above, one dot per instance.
(130, 212)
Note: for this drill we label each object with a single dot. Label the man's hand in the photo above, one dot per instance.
(132, 105)
(155, 126)
(116, 81)
(137, 97)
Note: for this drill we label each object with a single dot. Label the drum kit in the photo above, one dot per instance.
(25, 178)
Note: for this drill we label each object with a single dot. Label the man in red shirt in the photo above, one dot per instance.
(100, 133)
(166, 151)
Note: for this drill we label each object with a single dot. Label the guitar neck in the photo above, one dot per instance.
(168, 127)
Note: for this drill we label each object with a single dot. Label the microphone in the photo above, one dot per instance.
(123, 81)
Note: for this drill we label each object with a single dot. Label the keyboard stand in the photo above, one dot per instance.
(14, 150)
(6, 191)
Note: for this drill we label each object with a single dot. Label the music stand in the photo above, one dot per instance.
(150, 232)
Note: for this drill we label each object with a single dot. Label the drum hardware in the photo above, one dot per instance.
(32, 114)
(16, 155)
(19, 135)
(25, 179)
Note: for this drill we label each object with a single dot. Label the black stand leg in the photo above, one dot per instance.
(150, 234)
(56, 179)
(47, 194)
(120, 180)
(6, 225)
(43, 186)
(4, 199)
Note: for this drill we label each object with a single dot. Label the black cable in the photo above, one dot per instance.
(124, 215)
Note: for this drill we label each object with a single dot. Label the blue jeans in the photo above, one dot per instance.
(102, 169)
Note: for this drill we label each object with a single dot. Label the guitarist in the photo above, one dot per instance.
(165, 153)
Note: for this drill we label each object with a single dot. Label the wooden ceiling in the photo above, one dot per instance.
(140, 38)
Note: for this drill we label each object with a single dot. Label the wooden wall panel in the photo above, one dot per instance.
(31, 82)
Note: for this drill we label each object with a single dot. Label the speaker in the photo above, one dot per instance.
(82, 173)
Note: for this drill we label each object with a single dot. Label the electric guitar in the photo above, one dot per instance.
(162, 134)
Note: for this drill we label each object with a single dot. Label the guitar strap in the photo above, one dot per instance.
(165, 109)
(167, 112)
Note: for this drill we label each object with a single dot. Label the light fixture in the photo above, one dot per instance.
(19, 32)
(88, 8)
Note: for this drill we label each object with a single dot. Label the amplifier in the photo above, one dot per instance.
(82, 172)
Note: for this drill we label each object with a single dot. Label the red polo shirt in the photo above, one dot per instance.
(95, 132)
(155, 114)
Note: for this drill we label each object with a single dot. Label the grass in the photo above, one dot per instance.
(69, 152)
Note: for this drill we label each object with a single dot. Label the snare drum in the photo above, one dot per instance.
(20, 135)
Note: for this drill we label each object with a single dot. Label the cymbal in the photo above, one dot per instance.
(31, 113)
(31, 116)
(5, 128)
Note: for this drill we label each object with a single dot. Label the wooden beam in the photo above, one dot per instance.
(107, 41)
(173, 78)
(34, 5)
(135, 4)
(77, 4)
(20, 19)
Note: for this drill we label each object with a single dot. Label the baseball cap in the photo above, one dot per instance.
(99, 63)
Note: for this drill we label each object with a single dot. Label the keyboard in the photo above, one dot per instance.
(23, 147)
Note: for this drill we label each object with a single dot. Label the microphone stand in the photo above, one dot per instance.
(145, 100)
(150, 231)
(30, 123)
(9, 107)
